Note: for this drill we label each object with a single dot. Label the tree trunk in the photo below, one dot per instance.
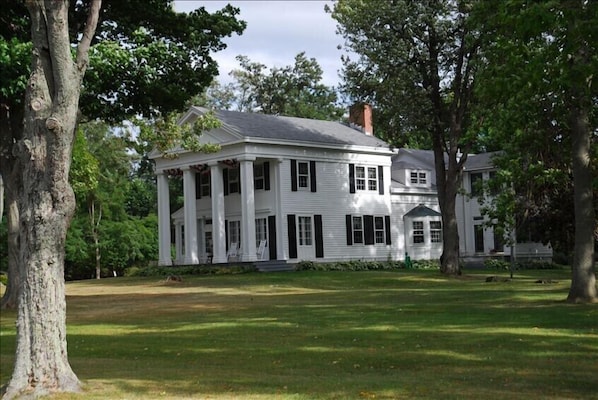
(10, 297)
(583, 280)
(46, 201)
(11, 130)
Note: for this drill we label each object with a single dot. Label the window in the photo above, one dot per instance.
(303, 174)
(205, 184)
(260, 231)
(478, 236)
(476, 183)
(233, 180)
(234, 232)
(357, 229)
(418, 232)
(436, 231)
(258, 176)
(305, 231)
(379, 231)
(419, 178)
(372, 178)
(361, 180)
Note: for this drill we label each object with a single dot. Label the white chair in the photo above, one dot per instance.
(233, 252)
(261, 249)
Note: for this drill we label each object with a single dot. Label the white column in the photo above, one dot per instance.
(218, 214)
(178, 243)
(281, 249)
(248, 249)
(164, 257)
(190, 217)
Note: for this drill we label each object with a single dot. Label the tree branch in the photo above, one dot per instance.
(88, 32)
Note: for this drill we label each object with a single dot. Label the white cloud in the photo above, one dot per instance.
(276, 32)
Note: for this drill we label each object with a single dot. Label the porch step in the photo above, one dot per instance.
(274, 266)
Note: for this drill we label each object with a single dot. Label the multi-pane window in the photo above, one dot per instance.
(260, 230)
(234, 232)
(305, 229)
(418, 232)
(366, 176)
(360, 178)
(205, 184)
(379, 232)
(303, 174)
(435, 231)
(258, 176)
(419, 178)
(233, 180)
(358, 229)
(372, 178)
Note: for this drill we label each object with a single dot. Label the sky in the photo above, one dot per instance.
(276, 32)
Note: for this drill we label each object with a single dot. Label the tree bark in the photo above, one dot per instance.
(583, 279)
(11, 130)
(46, 202)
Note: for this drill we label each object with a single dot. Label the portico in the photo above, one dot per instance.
(202, 235)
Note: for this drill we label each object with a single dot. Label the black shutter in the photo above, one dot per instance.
(266, 175)
(226, 234)
(368, 229)
(272, 237)
(349, 224)
(380, 179)
(294, 175)
(312, 175)
(225, 180)
(387, 228)
(319, 236)
(239, 179)
(197, 185)
(351, 178)
(292, 233)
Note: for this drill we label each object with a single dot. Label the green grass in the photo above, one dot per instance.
(328, 335)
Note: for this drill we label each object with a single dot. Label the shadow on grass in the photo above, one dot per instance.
(331, 336)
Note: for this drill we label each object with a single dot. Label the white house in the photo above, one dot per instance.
(293, 189)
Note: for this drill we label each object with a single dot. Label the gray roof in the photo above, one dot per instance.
(480, 161)
(422, 211)
(274, 127)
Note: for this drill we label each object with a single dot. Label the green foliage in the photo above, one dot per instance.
(503, 265)
(156, 271)
(294, 90)
(358, 265)
(171, 138)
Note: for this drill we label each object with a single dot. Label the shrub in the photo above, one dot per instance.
(498, 264)
(163, 271)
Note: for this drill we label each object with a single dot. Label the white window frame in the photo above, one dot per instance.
(366, 178)
(261, 230)
(436, 231)
(379, 231)
(357, 227)
(417, 230)
(418, 177)
(234, 232)
(305, 230)
(303, 177)
(205, 184)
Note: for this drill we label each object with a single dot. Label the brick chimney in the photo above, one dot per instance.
(360, 114)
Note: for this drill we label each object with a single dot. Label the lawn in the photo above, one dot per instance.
(328, 335)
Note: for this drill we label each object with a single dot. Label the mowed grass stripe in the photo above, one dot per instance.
(328, 335)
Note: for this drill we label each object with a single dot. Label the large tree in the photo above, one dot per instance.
(294, 90)
(416, 64)
(145, 59)
(540, 92)
(46, 202)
